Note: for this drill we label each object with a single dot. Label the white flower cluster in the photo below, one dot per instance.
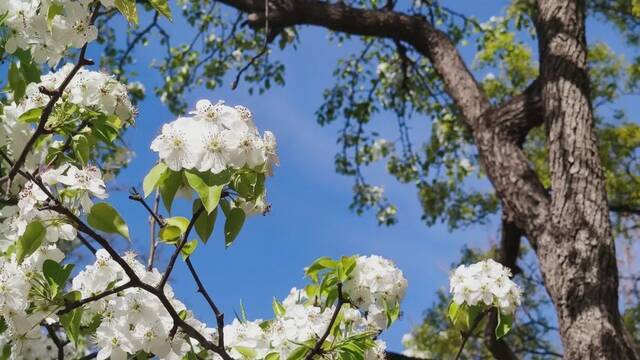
(22, 320)
(299, 322)
(48, 28)
(216, 137)
(95, 90)
(92, 90)
(486, 282)
(375, 285)
(133, 320)
(82, 183)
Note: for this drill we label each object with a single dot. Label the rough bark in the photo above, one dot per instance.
(577, 251)
(568, 227)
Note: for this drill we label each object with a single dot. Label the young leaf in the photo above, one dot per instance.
(169, 185)
(105, 218)
(505, 323)
(179, 221)
(55, 274)
(16, 82)
(81, 148)
(163, 8)
(189, 248)
(30, 241)
(278, 308)
(206, 188)
(232, 225)
(174, 229)
(71, 324)
(152, 179)
(247, 352)
(54, 9)
(204, 223)
(272, 356)
(170, 234)
(392, 312)
(31, 116)
(128, 9)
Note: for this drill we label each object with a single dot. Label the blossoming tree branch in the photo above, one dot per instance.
(60, 132)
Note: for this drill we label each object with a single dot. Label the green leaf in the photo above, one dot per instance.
(105, 218)
(163, 8)
(505, 323)
(152, 179)
(278, 308)
(248, 184)
(298, 354)
(272, 356)
(178, 221)
(205, 222)
(247, 352)
(16, 82)
(392, 312)
(169, 186)
(189, 248)
(54, 9)
(174, 229)
(81, 148)
(318, 265)
(207, 188)
(170, 234)
(56, 275)
(30, 241)
(71, 324)
(3, 325)
(31, 116)
(233, 225)
(128, 9)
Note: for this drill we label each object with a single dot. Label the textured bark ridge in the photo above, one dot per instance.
(577, 251)
(568, 226)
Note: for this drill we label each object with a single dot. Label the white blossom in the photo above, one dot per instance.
(486, 282)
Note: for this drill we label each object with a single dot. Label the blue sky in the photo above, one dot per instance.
(310, 216)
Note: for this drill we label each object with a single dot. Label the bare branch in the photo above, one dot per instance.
(317, 349)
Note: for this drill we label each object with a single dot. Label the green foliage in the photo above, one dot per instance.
(30, 240)
(205, 222)
(56, 275)
(233, 224)
(105, 218)
(208, 187)
(128, 9)
(152, 179)
(162, 6)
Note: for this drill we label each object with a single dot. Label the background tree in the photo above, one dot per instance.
(549, 183)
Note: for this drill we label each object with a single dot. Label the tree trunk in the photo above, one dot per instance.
(576, 250)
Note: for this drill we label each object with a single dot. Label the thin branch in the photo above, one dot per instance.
(317, 349)
(179, 248)
(74, 305)
(467, 335)
(56, 340)
(219, 315)
(153, 243)
(135, 196)
(86, 243)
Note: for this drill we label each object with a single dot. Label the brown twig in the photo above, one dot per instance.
(317, 349)
(174, 256)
